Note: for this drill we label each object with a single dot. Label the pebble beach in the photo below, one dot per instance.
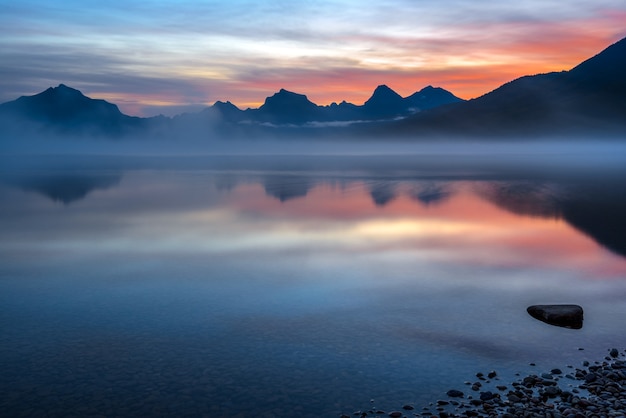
(591, 390)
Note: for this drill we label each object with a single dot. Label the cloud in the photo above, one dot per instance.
(155, 55)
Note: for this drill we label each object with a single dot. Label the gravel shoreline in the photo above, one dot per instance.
(593, 390)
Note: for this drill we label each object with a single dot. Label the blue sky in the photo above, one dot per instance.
(154, 57)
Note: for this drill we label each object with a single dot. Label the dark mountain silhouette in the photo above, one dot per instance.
(430, 97)
(228, 111)
(286, 107)
(384, 103)
(289, 108)
(387, 104)
(344, 111)
(66, 110)
(589, 98)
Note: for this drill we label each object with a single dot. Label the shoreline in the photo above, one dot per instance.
(595, 389)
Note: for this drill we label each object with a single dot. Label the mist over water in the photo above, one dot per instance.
(267, 282)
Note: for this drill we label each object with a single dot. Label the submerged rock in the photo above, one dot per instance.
(567, 316)
(453, 393)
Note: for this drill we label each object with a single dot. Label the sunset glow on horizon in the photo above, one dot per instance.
(153, 57)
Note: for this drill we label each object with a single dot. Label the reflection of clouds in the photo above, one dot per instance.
(237, 213)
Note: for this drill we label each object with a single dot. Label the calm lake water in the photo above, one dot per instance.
(280, 287)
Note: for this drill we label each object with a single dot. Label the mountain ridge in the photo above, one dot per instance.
(65, 110)
(590, 97)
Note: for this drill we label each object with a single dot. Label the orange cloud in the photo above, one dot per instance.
(489, 57)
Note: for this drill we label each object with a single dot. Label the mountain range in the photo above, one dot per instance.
(65, 110)
(590, 98)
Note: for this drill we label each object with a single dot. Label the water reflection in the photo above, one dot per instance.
(594, 206)
(286, 187)
(251, 291)
(431, 193)
(382, 192)
(65, 187)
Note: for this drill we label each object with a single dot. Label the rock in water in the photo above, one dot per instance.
(453, 393)
(567, 316)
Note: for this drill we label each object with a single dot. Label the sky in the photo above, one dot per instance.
(167, 57)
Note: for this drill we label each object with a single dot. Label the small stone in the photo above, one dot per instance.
(395, 414)
(591, 377)
(453, 393)
(552, 391)
(408, 408)
(486, 396)
(614, 353)
(514, 398)
(556, 371)
(492, 374)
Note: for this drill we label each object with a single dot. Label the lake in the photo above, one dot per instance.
(278, 286)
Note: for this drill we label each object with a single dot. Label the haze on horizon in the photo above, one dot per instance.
(153, 57)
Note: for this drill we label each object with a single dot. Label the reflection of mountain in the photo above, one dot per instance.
(287, 187)
(383, 193)
(66, 188)
(525, 198)
(430, 193)
(225, 182)
(600, 214)
(595, 209)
